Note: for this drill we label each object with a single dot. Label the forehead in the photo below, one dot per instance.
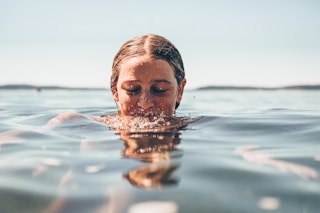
(146, 68)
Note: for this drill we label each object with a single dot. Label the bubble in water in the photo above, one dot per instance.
(146, 124)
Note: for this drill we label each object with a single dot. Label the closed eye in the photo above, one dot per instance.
(156, 90)
(134, 91)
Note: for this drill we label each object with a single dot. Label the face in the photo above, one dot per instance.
(147, 87)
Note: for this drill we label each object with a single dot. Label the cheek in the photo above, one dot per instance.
(127, 103)
(166, 104)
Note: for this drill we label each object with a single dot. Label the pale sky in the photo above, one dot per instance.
(223, 42)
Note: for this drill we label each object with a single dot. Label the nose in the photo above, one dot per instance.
(146, 100)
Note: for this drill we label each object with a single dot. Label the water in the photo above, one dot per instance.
(248, 151)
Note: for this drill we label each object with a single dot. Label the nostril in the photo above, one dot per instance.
(145, 104)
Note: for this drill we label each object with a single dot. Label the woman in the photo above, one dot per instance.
(148, 77)
(147, 81)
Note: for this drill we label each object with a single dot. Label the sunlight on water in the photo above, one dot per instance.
(154, 206)
(269, 203)
(225, 151)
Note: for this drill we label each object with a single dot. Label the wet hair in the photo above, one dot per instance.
(151, 45)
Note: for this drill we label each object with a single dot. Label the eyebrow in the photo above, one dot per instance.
(153, 81)
(162, 80)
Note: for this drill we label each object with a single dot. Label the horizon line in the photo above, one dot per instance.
(207, 87)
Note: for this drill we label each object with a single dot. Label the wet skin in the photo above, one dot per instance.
(147, 87)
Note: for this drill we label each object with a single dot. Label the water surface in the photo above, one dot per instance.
(247, 151)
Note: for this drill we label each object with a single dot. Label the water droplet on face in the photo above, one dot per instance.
(160, 137)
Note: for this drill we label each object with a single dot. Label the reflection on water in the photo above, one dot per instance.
(160, 152)
(79, 180)
(252, 152)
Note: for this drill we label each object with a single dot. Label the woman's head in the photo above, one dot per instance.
(148, 76)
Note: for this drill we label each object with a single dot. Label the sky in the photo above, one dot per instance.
(231, 42)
